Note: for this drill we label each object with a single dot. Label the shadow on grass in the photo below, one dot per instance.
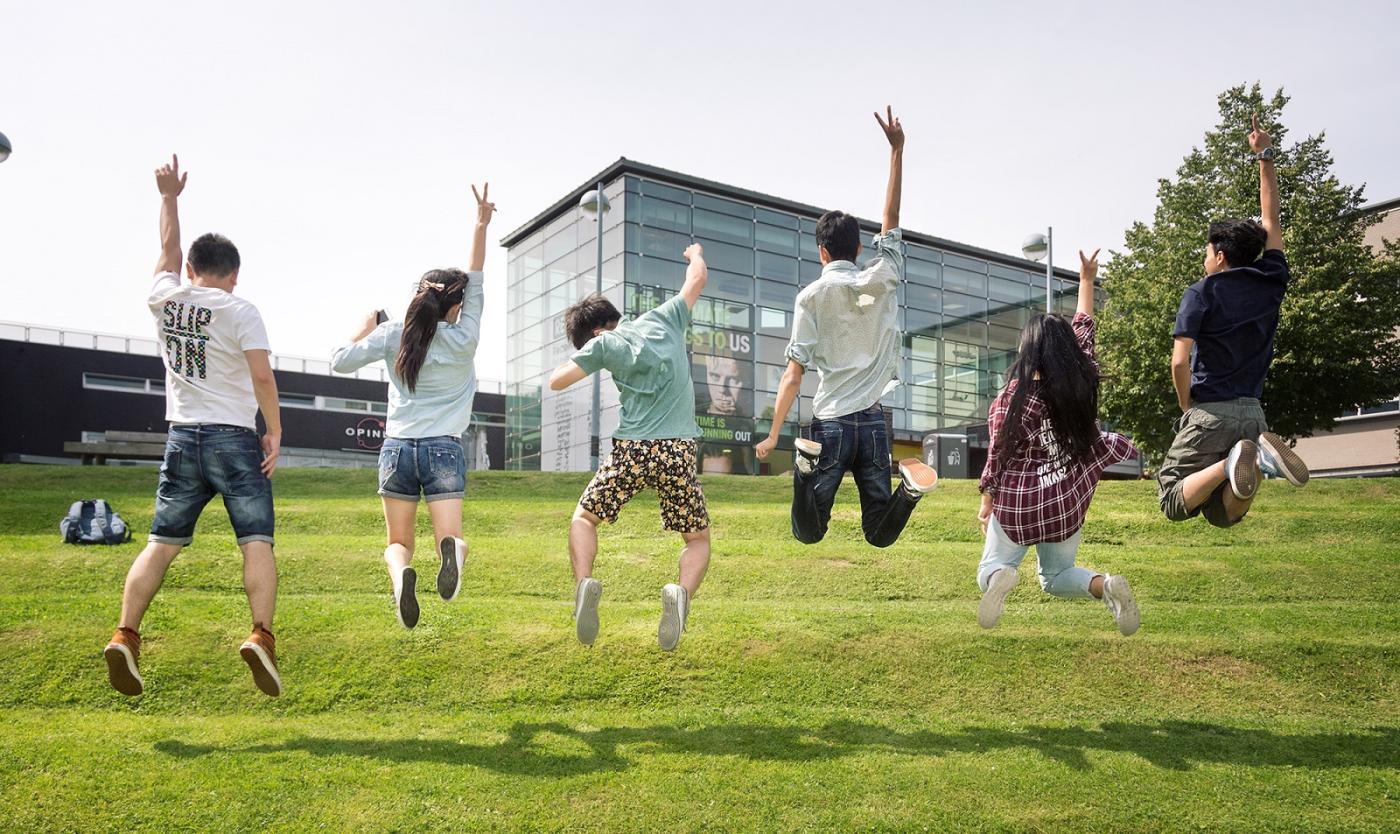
(554, 749)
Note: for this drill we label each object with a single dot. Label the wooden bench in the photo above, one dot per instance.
(134, 445)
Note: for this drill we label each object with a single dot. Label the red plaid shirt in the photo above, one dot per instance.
(1037, 496)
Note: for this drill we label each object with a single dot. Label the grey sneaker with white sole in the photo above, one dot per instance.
(675, 607)
(806, 456)
(1118, 598)
(1281, 459)
(586, 597)
(999, 586)
(1242, 469)
(453, 552)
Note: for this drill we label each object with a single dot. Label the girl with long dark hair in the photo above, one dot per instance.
(1046, 456)
(432, 383)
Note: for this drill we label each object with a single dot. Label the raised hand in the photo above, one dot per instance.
(169, 181)
(894, 131)
(1088, 267)
(484, 207)
(693, 251)
(1258, 139)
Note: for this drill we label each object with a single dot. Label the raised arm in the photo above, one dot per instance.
(1259, 142)
(1088, 269)
(695, 275)
(170, 182)
(484, 209)
(894, 132)
(565, 375)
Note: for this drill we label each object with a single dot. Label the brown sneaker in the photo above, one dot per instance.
(260, 656)
(121, 655)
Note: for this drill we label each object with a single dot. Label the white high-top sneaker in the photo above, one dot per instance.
(586, 598)
(675, 607)
(1118, 598)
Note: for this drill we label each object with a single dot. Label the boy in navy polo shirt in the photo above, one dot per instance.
(1224, 340)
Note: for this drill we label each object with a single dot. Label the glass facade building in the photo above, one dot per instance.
(961, 312)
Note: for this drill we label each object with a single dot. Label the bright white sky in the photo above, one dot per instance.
(334, 141)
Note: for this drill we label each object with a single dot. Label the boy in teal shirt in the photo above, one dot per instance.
(654, 445)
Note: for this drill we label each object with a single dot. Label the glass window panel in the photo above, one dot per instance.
(638, 300)
(808, 271)
(923, 372)
(665, 192)
(778, 267)
(807, 246)
(1009, 316)
(723, 385)
(660, 243)
(925, 298)
(560, 243)
(922, 273)
(723, 227)
(961, 280)
(970, 264)
(919, 421)
(1003, 338)
(923, 347)
(774, 239)
(773, 350)
(964, 356)
(772, 294)
(766, 379)
(660, 273)
(921, 322)
(632, 184)
(807, 225)
(1005, 289)
(727, 256)
(920, 252)
(787, 221)
(705, 201)
(774, 322)
(729, 286)
(665, 215)
(924, 397)
(957, 306)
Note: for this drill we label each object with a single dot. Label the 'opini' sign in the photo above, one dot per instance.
(367, 434)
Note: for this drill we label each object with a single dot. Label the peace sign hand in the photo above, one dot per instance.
(894, 131)
(169, 181)
(1258, 139)
(484, 207)
(1088, 267)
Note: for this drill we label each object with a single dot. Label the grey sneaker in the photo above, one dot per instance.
(1242, 467)
(1118, 598)
(999, 587)
(808, 452)
(454, 557)
(675, 608)
(406, 598)
(586, 598)
(918, 477)
(1279, 457)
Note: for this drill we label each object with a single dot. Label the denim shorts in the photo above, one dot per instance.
(436, 467)
(207, 460)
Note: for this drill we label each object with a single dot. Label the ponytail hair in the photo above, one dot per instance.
(439, 290)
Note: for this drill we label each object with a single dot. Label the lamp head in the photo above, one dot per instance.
(1034, 247)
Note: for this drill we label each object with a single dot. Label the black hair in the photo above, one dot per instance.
(1240, 240)
(214, 256)
(439, 290)
(839, 234)
(588, 315)
(1068, 384)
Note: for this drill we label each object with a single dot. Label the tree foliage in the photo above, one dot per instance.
(1336, 346)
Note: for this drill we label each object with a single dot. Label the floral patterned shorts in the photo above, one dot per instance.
(668, 466)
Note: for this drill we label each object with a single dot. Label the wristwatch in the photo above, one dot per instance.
(1266, 155)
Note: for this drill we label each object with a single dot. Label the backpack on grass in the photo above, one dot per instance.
(93, 521)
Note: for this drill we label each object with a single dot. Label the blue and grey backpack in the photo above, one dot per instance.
(93, 521)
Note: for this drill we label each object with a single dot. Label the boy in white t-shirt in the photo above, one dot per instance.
(218, 376)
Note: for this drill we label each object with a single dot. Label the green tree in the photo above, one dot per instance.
(1336, 346)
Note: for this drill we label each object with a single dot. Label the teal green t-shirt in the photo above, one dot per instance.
(648, 361)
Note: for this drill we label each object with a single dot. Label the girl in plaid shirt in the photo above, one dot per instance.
(1045, 459)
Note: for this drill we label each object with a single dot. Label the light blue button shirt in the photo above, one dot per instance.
(441, 403)
(845, 326)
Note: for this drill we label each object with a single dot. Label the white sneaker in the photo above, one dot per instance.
(586, 598)
(999, 587)
(1282, 459)
(1242, 467)
(675, 607)
(1118, 598)
(918, 477)
(808, 452)
(454, 558)
(406, 597)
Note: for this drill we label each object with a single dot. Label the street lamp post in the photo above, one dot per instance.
(1038, 246)
(595, 202)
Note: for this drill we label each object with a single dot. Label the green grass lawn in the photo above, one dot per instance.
(830, 687)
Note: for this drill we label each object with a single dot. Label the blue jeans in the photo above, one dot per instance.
(856, 443)
(436, 467)
(207, 460)
(1058, 575)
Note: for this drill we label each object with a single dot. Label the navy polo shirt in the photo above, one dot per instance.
(1232, 316)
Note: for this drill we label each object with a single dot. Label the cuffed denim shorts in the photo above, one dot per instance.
(206, 460)
(435, 467)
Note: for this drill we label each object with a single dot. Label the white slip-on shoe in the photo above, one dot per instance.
(453, 552)
(1282, 459)
(586, 597)
(999, 586)
(675, 604)
(1242, 468)
(808, 452)
(406, 597)
(1118, 598)
(918, 477)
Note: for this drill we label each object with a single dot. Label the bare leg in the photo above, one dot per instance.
(260, 581)
(1235, 507)
(1096, 587)
(398, 518)
(583, 543)
(144, 579)
(447, 518)
(1198, 486)
(695, 560)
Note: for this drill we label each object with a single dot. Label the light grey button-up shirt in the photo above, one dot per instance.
(845, 326)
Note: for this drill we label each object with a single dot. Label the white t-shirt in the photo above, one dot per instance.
(203, 333)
